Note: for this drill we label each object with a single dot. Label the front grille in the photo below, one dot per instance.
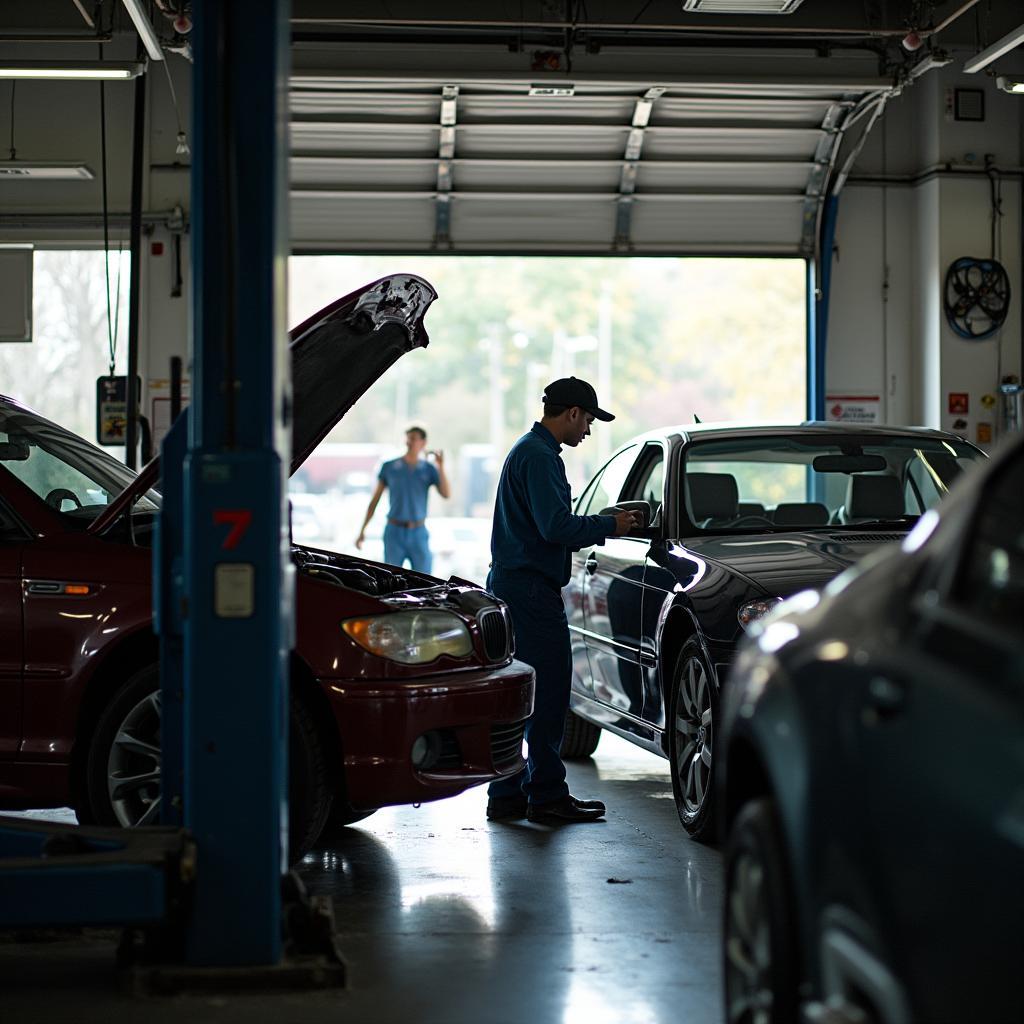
(507, 745)
(496, 634)
(868, 538)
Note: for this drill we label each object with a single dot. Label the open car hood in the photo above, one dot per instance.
(337, 355)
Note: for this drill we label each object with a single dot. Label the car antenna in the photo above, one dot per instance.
(696, 418)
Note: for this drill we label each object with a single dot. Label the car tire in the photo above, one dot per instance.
(126, 745)
(580, 738)
(693, 714)
(760, 972)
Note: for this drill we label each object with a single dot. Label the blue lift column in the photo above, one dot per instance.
(237, 577)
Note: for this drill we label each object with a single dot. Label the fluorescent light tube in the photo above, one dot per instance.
(1010, 85)
(145, 29)
(93, 70)
(46, 170)
(995, 51)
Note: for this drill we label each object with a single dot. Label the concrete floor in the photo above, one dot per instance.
(445, 918)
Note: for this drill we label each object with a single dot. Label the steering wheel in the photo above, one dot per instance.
(751, 518)
(56, 498)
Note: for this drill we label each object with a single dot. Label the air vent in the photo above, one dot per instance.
(507, 745)
(868, 538)
(741, 6)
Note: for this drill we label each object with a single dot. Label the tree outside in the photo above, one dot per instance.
(662, 339)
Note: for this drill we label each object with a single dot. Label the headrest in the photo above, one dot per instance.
(750, 508)
(712, 496)
(874, 497)
(800, 513)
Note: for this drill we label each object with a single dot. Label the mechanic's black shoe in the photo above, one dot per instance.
(506, 808)
(566, 810)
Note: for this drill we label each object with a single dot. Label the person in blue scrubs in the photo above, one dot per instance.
(532, 540)
(408, 479)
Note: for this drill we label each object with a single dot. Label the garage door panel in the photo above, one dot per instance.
(544, 141)
(544, 176)
(364, 139)
(532, 220)
(368, 220)
(721, 176)
(681, 110)
(346, 173)
(363, 106)
(715, 223)
(611, 110)
(737, 144)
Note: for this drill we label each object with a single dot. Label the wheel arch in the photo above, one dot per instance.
(132, 654)
(679, 625)
(304, 687)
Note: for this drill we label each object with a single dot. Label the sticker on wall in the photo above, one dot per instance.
(959, 426)
(988, 401)
(853, 408)
(984, 433)
(958, 403)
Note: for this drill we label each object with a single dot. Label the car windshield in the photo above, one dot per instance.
(807, 482)
(64, 470)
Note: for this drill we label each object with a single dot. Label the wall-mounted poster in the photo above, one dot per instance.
(853, 408)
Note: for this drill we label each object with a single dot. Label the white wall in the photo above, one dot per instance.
(917, 200)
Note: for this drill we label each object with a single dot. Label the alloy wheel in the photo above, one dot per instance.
(748, 945)
(133, 765)
(693, 727)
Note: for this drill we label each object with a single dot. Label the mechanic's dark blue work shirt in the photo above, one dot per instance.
(534, 527)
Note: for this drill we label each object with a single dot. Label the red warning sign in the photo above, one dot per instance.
(958, 403)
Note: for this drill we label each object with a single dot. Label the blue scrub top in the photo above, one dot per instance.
(408, 486)
(534, 528)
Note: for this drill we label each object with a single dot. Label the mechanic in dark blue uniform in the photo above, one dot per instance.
(532, 541)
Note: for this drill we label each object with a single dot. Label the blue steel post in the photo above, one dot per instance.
(819, 280)
(237, 577)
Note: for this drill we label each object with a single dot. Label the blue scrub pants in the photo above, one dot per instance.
(542, 640)
(402, 542)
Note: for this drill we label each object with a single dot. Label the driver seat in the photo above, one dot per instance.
(712, 498)
(872, 497)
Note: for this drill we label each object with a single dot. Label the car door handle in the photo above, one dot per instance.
(591, 563)
(886, 697)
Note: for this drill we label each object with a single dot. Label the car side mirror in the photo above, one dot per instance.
(643, 507)
(14, 451)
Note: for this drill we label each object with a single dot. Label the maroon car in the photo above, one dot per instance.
(403, 687)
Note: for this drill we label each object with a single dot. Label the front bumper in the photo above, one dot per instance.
(479, 715)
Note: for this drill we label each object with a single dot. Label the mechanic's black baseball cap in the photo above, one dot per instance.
(569, 391)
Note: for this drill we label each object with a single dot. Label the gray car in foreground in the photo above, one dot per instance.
(872, 782)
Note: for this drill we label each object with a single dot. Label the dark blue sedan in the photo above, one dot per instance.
(872, 781)
(737, 519)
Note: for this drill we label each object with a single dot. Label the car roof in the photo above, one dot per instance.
(704, 431)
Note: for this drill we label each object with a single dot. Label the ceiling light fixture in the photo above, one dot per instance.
(89, 70)
(145, 28)
(45, 170)
(995, 51)
(1010, 85)
(741, 6)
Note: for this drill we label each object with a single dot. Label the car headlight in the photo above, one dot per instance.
(411, 638)
(750, 612)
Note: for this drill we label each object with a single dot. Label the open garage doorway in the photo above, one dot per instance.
(662, 339)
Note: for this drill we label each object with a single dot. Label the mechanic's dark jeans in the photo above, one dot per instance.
(542, 640)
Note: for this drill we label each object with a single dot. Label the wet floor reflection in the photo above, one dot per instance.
(449, 918)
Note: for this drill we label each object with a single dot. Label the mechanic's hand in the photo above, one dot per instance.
(625, 521)
(359, 541)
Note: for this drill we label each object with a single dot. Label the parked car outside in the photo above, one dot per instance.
(738, 519)
(872, 757)
(403, 688)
